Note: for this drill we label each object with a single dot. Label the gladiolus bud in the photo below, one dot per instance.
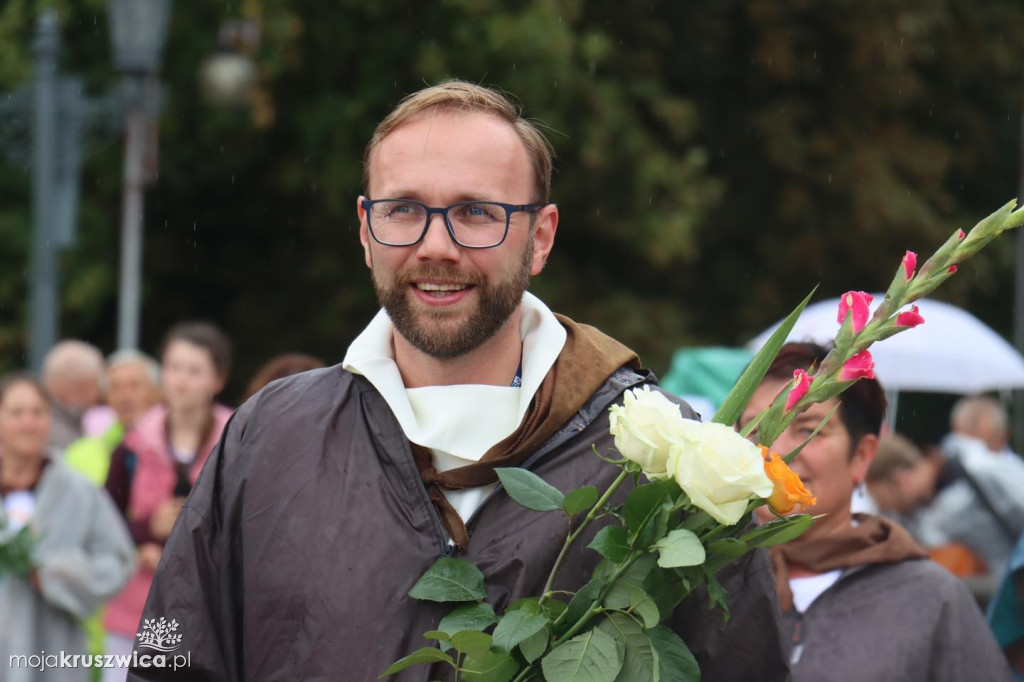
(860, 366)
(952, 269)
(909, 318)
(803, 384)
(858, 303)
(909, 264)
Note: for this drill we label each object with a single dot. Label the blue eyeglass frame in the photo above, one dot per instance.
(443, 212)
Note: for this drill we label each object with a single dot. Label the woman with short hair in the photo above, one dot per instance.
(859, 598)
(80, 555)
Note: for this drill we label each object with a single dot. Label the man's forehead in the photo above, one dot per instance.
(451, 150)
(453, 133)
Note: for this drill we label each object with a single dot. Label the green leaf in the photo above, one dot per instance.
(643, 605)
(717, 596)
(639, 661)
(680, 548)
(697, 520)
(580, 603)
(468, 617)
(534, 646)
(580, 500)
(440, 636)
(642, 506)
(553, 608)
(472, 643)
(628, 591)
(530, 490)
(739, 396)
(450, 580)
(611, 542)
(530, 605)
(594, 656)
(779, 531)
(425, 655)
(666, 589)
(729, 547)
(675, 661)
(514, 627)
(493, 666)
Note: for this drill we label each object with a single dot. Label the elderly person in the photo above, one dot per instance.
(82, 553)
(133, 387)
(982, 418)
(73, 377)
(860, 601)
(964, 495)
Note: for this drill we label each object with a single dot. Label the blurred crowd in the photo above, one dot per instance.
(97, 456)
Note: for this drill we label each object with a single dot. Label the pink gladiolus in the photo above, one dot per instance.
(859, 304)
(803, 385)
(860, 366)
(952, 269)
(909, 318)
(909, 264)
(961, 234)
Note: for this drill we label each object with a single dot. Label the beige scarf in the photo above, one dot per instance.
(873, 540)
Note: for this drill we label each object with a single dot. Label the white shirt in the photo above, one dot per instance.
(806, 590)
(459, 424)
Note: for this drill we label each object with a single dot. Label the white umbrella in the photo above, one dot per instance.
(952, 352)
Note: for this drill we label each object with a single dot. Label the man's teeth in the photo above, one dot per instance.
(442, 287)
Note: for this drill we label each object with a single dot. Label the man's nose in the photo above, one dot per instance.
(437, 243)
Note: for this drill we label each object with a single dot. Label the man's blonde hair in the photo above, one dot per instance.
(458, 95)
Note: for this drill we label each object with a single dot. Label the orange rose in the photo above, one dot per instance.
(789, 489)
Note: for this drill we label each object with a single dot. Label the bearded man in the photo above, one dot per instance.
(333, 491)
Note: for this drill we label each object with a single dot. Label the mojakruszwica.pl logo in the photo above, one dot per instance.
(159, 634)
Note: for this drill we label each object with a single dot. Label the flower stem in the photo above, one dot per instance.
(596, 605)
(574, 535)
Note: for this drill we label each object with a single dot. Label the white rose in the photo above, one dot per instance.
(646, 426)
(719, 470)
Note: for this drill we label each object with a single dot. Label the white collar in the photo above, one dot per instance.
(371, 355)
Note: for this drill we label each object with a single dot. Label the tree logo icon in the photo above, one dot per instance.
(159, 635)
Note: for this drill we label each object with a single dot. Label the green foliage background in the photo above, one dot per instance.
(716, 159)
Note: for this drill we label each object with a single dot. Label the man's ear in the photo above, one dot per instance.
(364, 232)
(863, 455)
(544, 229)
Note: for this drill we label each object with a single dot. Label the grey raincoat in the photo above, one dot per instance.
(294, 554)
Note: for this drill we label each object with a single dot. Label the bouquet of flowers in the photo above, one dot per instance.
(16, 548)
(673, 533)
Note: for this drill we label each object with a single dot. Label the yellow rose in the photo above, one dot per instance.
(645, 427)
(719, 470)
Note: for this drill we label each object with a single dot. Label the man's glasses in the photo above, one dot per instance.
(472, 224)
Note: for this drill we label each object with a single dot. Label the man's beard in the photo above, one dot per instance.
(425, 327)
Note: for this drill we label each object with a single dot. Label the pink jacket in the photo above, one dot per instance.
(153, 482)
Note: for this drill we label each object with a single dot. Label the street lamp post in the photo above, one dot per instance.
(44, 274)
(139, 28)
